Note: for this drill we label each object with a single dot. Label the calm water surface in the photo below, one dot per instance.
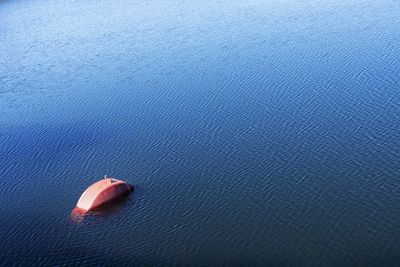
(257, 133)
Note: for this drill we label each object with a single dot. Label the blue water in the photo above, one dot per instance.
(256, 133)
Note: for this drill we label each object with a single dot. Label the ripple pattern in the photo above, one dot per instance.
(256, 133)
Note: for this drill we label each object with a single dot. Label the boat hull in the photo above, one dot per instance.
(102, 192)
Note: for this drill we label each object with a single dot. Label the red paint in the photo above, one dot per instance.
(102, 192)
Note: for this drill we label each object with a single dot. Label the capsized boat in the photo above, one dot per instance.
(102, 192)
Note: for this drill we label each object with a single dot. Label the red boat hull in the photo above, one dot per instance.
(102, 192)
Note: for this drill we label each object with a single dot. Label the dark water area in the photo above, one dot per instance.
(256, 133)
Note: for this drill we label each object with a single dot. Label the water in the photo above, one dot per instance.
(257, 133)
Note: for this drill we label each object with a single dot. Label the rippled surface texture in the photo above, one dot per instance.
(260, 133)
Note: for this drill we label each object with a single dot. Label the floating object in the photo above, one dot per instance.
(102, 192)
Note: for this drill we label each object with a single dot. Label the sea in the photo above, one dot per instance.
(255, 133)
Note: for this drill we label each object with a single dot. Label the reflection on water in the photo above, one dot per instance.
(260, 133)
(77, 215)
